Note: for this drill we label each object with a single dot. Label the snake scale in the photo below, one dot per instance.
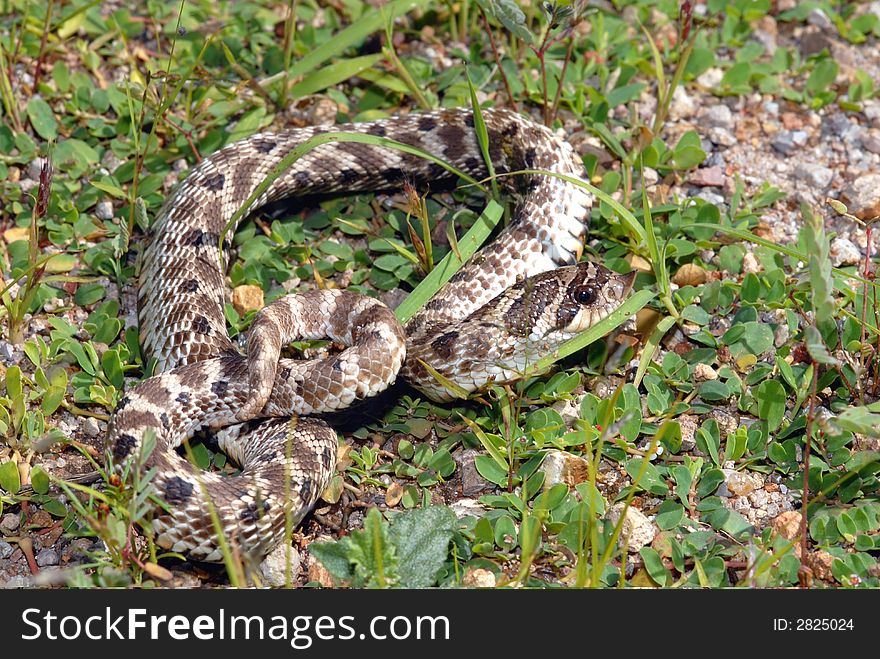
(516, 299)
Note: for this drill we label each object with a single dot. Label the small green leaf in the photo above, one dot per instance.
(39, 480)
(421, 538)
(10, 480)
(771, 402)
(42, 118)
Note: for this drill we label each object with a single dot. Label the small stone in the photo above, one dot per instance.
(274, 566)
(771, 108)
(479, 578)
(79, 548)
(47, 557)
(90, 427)
(690, 274)
(863, 197)
(789, 141)
(708, 176)
(704, 372)
(564, 467)
(820, 563)
(870, 140)
(649, 177)
(247, 298)
(844, 252)
(6, 351)
(9, 522)
(682, 105)
(688, 424)
(34, 168)
(637, 529)
(569, 410)
(393, 494)
(711, 78)
(323, 110)
(472, 483)
(719, 115)
(871, 109)
(19, 581)
(721, 136)
(751, 264)
(711, 197)
(104, 210)
(839, 125)
(468, 508)
(5, 549)
(758, 498)
(787, 525)
(817, 176)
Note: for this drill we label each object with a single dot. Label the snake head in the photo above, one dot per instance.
(592, 292)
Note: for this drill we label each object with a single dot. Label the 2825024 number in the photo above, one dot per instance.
(823, 624)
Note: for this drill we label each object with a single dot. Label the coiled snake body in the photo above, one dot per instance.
(513, 301)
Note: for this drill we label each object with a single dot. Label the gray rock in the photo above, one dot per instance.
(870, 140)
(111, 161)
(711, 78)
(711, 197)
(274, 566)
(19, 581)
(104, 210)
(682, 105)
(34, 168)
(5, 549)
(719, 116)
(863, 197)
(839, 125)
(468, 507)
(789, 141)
(817, 176)
(9, 522)
(637, 529)
(6, 351)
(715, 159)
(844, 252)
(471, 481)
(771, 108)
(90, 427)
(722, 136)
(766, 39)
(47, 556)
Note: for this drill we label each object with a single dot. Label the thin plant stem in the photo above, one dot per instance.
(498, 59)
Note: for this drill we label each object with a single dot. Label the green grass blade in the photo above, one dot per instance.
(651, 346)
(450, 263)
(482, 135)
(616, 318)
(353, 35)
(333, 74)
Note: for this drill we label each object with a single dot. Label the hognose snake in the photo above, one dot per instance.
(518, 297)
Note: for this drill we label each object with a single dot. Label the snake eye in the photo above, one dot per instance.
(584, 295)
